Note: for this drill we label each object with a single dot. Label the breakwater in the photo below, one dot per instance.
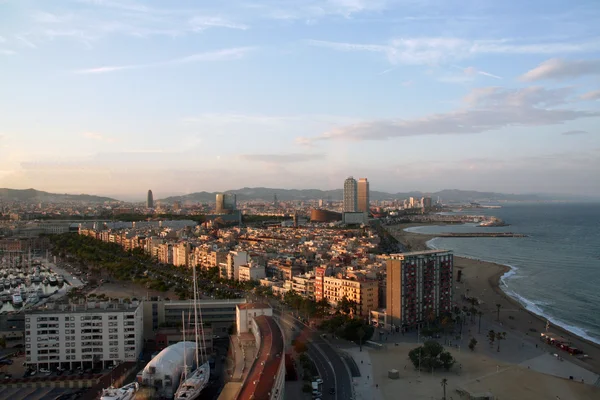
(481, 234)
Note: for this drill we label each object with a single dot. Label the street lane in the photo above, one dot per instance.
(331, 366)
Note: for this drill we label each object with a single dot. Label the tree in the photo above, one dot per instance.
(347, 306)
(472, 344)
(498, 306)
(500, 336)
(431, 355)
(444, 383)
(480, 314)
(3, 342)
(491, 337)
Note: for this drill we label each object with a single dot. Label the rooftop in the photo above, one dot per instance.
(253, 306)
(418, 253)
(89, 307)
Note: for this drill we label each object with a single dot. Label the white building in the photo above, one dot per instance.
(95, 334)
(355, 218)
(245, 313)
(231, 269)
(251, 272)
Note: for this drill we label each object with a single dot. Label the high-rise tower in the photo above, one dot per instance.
(363, 195)
(350, 195)
(150, 200)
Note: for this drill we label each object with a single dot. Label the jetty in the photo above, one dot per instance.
(481, 234)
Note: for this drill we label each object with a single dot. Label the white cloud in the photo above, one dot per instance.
(282, 158)
(484, 109)
(7, 52)
(437, 50)
(202, 22)
(576, 132)
(560, 69)
(218, 55)
(2, 40)
(593, 95)
(99, 137)
(26, 41)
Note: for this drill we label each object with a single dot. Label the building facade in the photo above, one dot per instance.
(364, 292)
(219, 315)
(350, 195)
(150, 200)
(226, 203)
(87, 336)
(363, 195)
(251, 272)
(419, 286)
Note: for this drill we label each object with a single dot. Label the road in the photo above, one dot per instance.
(332, 368)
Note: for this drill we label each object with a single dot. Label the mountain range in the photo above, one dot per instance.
(36, 196)
(267, 194)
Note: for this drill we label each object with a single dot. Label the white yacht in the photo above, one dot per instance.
(52, 279)
(60, 279)
(17, 300)
(126, 392)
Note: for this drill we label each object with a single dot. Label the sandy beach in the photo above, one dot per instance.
(481, 279)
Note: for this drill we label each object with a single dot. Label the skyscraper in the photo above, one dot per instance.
(150, 200)
(350, 195)
(226, 203)
(363, 195)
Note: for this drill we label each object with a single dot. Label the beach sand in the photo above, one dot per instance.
(474, 372)
(481, 279)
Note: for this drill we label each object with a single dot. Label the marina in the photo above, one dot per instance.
(26, 281)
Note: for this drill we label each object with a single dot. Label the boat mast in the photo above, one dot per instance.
(203, 339)
(196, 317)
(184, 355)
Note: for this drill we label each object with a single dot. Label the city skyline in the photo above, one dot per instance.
(113, 97)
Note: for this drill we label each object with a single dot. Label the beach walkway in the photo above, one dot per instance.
(551, 365)
(364, 385)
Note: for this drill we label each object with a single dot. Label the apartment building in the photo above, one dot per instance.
(251, 272)
(304, 285)
(364, 292)
(90, 335)
(419, 286)
(181, 253)
(231, 268)
(209, 258)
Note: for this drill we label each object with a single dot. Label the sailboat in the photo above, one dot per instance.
(195, 383)
(126, 392)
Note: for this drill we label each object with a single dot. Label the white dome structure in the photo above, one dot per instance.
(164, 371)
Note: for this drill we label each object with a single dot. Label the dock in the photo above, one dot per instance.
(482, 234)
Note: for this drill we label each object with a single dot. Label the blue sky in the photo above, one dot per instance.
(116, 96)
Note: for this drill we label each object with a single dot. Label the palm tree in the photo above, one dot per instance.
(361, 334)
(444, 383)
(498, 306)
(500, 336)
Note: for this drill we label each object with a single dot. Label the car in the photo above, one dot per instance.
(319, 381)
(332, 390)
(44, 371)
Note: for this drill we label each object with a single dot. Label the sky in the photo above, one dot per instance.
(115, 97)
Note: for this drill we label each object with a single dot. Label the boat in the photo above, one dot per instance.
(126, 392)
(52, 279)
(195, 383)
(17, 300)
(60, 279)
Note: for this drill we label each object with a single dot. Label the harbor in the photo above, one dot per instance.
(481, 234)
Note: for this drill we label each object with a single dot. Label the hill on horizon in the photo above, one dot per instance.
(34, 195)
(266, 194)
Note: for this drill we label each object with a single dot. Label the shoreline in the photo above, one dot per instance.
(483, 279)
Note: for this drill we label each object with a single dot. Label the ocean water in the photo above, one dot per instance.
(555, 271)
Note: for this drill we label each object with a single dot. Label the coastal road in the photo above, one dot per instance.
(332, 368)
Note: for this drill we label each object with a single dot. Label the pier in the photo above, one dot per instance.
(481, 234)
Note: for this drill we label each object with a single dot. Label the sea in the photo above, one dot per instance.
(554, 271)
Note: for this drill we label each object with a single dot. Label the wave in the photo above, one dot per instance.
(529, 305)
